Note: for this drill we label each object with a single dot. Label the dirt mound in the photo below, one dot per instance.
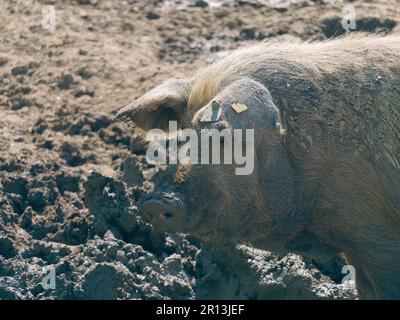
(102, 249)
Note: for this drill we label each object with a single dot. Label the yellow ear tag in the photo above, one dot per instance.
(239, 107)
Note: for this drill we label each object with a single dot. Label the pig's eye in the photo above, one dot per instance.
(166, 215)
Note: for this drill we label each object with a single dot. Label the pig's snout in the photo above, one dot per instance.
(165, 211)
(156, 209)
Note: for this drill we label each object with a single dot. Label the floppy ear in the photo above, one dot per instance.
(243, 104)
(160, 105)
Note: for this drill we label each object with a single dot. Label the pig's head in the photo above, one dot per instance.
(260, 206)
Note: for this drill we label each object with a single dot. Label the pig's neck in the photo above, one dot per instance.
(286, 208)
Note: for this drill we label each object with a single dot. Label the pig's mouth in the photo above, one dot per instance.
(165, 211)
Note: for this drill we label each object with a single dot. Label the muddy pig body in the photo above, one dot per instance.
(326, 178)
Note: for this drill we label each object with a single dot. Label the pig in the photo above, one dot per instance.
(326, 178)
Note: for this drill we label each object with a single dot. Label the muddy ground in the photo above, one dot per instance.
(70, 175)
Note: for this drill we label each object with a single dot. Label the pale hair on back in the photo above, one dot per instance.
(350, 52)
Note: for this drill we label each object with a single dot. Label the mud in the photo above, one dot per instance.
(70, 176)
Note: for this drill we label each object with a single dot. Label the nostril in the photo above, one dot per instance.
(162, 210)
(166, 215)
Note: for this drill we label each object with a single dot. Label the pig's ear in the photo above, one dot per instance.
(156, 108)
(242, 104)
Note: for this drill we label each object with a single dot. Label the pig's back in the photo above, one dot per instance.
(348, 88)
